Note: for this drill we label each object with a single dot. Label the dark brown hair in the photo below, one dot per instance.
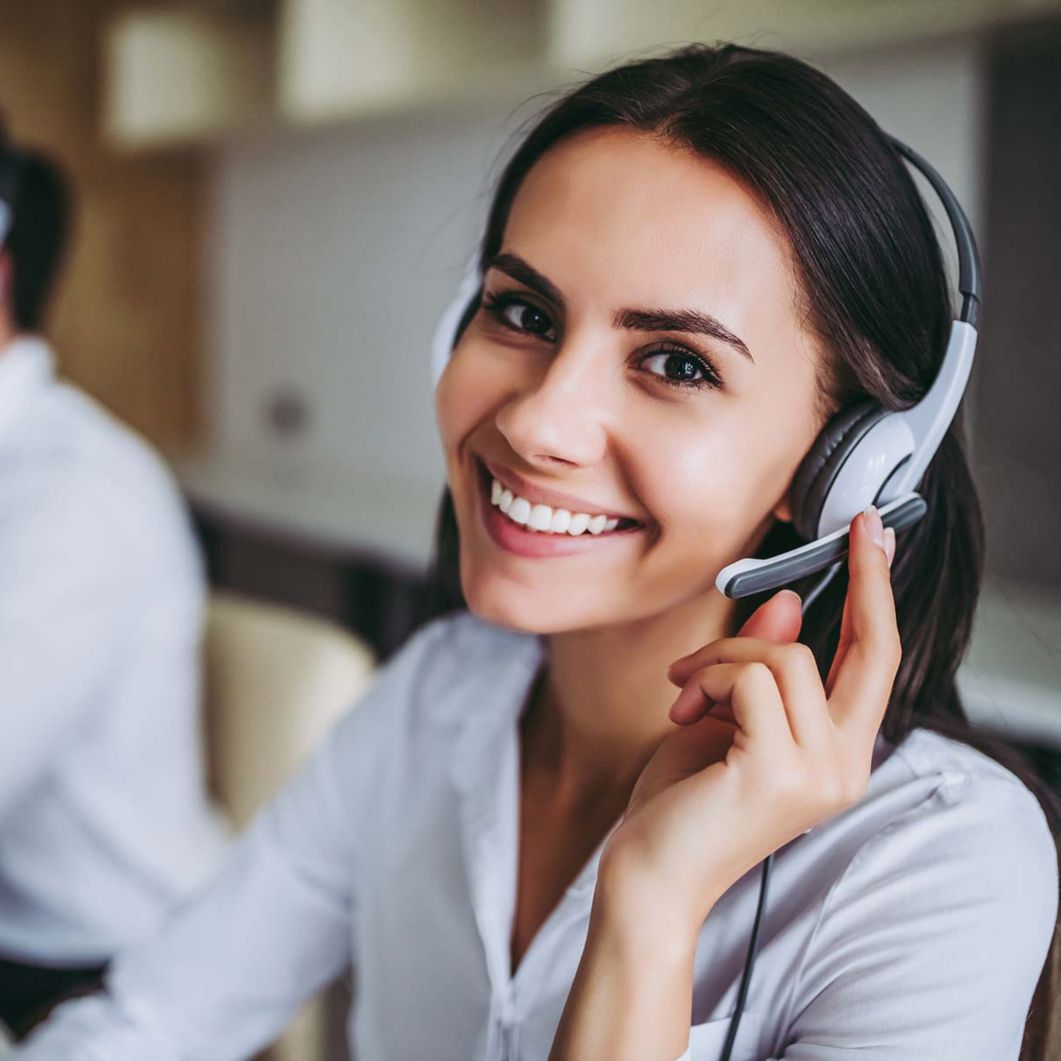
(874, 292)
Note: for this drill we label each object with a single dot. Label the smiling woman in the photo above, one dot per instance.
(522, 842)
(754, 193)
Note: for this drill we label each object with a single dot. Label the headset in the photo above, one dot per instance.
(864, 455)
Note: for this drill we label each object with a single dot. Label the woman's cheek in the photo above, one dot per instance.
(719, 493)
(457, 402)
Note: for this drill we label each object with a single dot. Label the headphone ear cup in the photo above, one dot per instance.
(818, 469)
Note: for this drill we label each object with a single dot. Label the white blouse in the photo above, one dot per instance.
(912, 925)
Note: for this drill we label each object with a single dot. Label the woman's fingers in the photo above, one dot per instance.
(863, 667)
(863, 673)
(845, 623)
(776, 619)
(795, 673)
(750, 693)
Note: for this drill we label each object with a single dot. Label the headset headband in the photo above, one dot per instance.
(969, 280)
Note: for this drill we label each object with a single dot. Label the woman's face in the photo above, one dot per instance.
(576, 395)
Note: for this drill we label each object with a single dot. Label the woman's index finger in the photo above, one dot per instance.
(862, 682)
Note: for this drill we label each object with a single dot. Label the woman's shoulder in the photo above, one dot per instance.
(931, 903)
(968, 784)
(948, 810)
(929, 753)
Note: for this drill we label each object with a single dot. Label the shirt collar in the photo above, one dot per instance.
(484, 765)
(486, 776)
(27, 367)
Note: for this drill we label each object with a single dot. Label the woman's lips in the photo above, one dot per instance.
(553, 498)
(516, 539)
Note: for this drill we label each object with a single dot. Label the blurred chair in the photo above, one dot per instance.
(275, 681)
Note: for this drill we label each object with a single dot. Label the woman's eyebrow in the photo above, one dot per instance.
(644, 320)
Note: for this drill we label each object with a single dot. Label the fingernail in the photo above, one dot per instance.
(791, 593)
(874, 526)
(889, 544)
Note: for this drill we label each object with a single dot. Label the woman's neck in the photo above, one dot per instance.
(599, 708)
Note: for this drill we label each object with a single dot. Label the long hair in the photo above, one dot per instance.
(874, 292)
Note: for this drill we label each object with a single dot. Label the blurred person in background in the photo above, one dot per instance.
(104, 819)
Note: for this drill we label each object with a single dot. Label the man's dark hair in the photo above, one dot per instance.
(37, 239)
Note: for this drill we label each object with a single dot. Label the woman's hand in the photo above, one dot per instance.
(766, 750)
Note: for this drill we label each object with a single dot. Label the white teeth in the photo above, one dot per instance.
(579, 522)
(541, 517)
(519, 511)
(545, 519)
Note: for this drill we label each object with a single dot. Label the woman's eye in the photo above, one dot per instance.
(519, 315)
(681, 368)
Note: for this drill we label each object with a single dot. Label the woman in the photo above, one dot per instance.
(516, 841)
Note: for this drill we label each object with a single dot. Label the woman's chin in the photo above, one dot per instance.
(516, 609)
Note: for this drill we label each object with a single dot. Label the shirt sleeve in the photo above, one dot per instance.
(931, 943)
(67, 600)
(230, 967)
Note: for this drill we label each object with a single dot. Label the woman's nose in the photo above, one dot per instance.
(559, 414)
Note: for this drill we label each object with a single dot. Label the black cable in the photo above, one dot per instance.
(742, 993)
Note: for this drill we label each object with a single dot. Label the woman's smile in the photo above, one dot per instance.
(513, 531)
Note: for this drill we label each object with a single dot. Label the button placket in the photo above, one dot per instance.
(503, 1042)
(510, 1042)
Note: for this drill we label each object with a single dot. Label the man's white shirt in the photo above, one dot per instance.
(913, 925)
(104, 820)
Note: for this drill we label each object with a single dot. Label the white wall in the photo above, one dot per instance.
(333, 254)
(335, 251)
